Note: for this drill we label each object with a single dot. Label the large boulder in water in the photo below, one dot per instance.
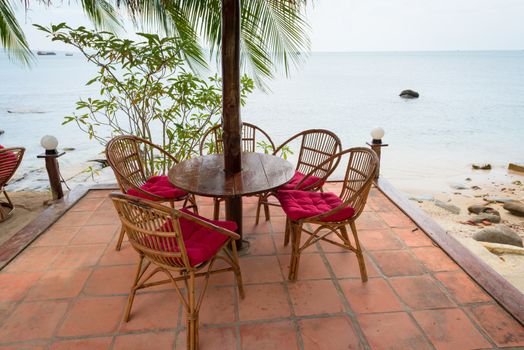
(409, 94)
(498, 234)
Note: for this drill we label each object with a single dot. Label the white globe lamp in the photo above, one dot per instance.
(49, 143)
(377, 134)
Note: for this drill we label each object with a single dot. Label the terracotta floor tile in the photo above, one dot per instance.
(264, 302)
(161, 341)
(153, 310)
(110, 280)
(103, 217)
(346, 265)
(332, 248)
(93, 316)
(268, 336)
(435, 259)
(500, 326)
(260, 269)
(57, 284)
(329, 334)
(34, 259)
(83, 344)
(378, 240)
(278, 239)
(311, 266)
(249, 226)
(125, 256)
(261, 245)
(412, 238)
(278, 224)
(25, 346)
(314, 297)
(392, 331)
(73, 218)
(373, 296)
(450, 329)
(218, 306)
(397, 263)
(396, 219)
(370, 221)
(210, 339)
(95, 234)
(31, 321)
(88, 204)
(73, 257)
(100, 193)
(420, 292)
(107, 204)
(56, 236)
(461, 287)
(380, 204)
(14, 286)
(5, 308)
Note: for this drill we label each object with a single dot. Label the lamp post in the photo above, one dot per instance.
(49, 143)
(376, 145)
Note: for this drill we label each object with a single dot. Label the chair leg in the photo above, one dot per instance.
(216, 208)
(120, 238)
(238, 273)
(8, 205)
(360, 256)
(296, 233)
(132, 293)
(259, 204)
(192, 315)
(194, 203)
(266, 211)
(287, 232)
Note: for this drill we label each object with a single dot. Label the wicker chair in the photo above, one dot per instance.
(131, 159)
(330, 214)
(10, 159)
(252, 138)
(182, 245)
(316, 146)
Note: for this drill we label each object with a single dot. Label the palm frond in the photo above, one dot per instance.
(12, 37)
(102, 14)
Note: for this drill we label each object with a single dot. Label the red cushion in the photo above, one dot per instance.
(311, 180)
(303, 204)
(160, 186)
(8, 162)
(201, 243)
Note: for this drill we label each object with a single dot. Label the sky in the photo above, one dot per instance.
(366, 25)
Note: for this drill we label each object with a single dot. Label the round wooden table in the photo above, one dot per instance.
(205, 176)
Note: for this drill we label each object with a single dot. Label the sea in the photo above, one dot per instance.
(470, 110)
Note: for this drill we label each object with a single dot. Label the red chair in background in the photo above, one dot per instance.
(10, 159)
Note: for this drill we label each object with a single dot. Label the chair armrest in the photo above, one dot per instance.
(209, 225)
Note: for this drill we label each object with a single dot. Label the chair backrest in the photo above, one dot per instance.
(360, 173)
(134, 160)
(153, 230)
(253, 138)
(10, 159)
(316, 146)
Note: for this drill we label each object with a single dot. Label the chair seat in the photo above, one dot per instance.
(159, 186)
(311, 180)
(201, 242)
(303, 204)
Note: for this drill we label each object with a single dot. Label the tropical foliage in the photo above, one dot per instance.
(146, 90)
(273, 32)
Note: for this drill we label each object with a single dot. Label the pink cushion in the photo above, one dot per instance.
(201, 243)
(160, 186)
(8, 162)
(303, 204)
(311, 180)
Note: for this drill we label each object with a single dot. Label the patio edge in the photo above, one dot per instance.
(24, 237)
(501, 290)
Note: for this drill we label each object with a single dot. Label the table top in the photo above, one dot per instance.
(205, 175)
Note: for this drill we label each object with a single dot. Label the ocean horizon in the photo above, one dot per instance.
(470, 110)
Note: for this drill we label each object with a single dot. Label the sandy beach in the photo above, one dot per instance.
(487, 188)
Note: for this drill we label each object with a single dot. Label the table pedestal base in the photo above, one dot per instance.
(234, 213)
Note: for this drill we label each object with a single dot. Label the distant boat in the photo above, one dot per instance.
(46, 53)
(69, 54)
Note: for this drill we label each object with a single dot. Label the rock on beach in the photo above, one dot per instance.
(409, 94)
(498, 234)
(514, 208)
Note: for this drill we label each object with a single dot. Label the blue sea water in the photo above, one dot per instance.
(470, 110)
